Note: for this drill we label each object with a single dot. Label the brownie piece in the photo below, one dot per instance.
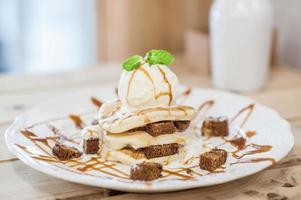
(182, 125)
(215, 126)
(222, 153)
(91, 145)
(213, 159)
(155, 151)
(63, 152)
(163, 127)
(160, 128)
(146, 171)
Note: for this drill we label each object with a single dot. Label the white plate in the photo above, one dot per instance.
(272, 131)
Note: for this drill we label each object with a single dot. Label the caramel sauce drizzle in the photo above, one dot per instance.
(130, 83)
(32, 137)
(183, 109)
(84, 166)
(169, 93)
(207, 104)
(202, 110)
(239, 143)
(96, 102)
(156, 96)
(190, 160)
(176, 173)
(249, 109)
(77, 166)
(53, 160)
(257, 149)
(254, 160)
(77, 121)
(48, 159)
(250, 134)
(184, 95)
(59, 135)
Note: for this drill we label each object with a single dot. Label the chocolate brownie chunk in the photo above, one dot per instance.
(155, 151)
(63, 152)
(146, 171)
(213, 159)
(91, 145)
(215, 126)
(182, 125)
(160, 128)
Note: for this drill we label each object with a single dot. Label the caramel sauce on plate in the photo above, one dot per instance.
(250, 134)
(77, 121)
(249, 109)
(96, 102)
(96, 163)
(255, 160)
(256, 149)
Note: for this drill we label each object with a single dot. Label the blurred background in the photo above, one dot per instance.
(43, 36)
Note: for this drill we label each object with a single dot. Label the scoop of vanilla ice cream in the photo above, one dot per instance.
(148, 86)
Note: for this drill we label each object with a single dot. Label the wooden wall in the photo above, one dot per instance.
(134, 26)
(127, 27)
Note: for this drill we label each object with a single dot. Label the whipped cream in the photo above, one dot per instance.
(127, 157)
(121, 121)
(141, 139)
(148, 86)
(91, 132)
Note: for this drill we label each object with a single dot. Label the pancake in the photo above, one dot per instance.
(140, 139)
(122, 121)
(129, 157)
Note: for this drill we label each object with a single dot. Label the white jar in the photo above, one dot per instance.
(240, 39)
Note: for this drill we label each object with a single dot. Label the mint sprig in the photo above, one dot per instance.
(132, 62)
(155, 56)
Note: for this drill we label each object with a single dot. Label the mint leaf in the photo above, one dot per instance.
(155, 56)
(132, 62)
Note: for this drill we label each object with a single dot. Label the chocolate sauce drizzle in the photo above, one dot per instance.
(111, 169)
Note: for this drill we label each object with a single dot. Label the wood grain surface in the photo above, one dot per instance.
(19, 93)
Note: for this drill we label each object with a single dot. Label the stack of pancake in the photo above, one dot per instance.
(153, 134)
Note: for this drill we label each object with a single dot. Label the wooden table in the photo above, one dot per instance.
(21, 92)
